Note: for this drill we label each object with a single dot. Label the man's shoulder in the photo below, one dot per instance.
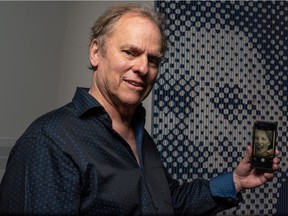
(45, 130)
(52, 121)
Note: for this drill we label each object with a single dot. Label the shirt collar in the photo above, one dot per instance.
(87, 105)
(84, 103)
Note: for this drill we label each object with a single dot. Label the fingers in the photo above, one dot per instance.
(268, 176)
(277, 152)
(248, 154)
(276, 162)
(249, 150)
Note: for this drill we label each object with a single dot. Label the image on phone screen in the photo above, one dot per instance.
(263, 145)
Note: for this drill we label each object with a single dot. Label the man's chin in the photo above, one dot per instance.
(131, 102)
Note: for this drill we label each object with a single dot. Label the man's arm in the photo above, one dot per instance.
(39, 179)
(203, 197)
(221, 192)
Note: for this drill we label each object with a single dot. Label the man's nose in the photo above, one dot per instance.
(141, 65)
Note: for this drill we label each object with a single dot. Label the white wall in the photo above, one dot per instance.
(43, 58)
(31, 40)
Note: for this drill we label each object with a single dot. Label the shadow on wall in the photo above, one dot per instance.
(6, 144)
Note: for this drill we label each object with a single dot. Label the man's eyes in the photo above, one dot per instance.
(154, 61)
(130, 52)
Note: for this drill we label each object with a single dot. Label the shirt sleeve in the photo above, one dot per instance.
(203, 197)
(223, 185)
(38, 180)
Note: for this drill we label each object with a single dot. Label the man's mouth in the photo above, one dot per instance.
(134, 83)
(259, 147)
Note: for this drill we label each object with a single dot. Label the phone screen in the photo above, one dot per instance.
(263, 144)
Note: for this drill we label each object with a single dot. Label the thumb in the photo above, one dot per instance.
(248, 154)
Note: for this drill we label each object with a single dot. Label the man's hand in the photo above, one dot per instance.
(245, 176)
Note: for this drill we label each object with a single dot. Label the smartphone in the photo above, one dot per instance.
(263, 144)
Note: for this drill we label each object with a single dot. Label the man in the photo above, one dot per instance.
(93, 156)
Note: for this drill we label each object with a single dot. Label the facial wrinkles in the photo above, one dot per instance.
(262, 138)
(141, 47)
(146, 39)
(262, 142)
(116, 66)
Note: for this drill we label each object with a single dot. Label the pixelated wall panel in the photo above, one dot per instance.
(226, 67)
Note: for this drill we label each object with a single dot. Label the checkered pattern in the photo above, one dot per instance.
(226, 67)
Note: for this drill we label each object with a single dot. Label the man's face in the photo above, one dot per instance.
(127, 68)
(261, 142)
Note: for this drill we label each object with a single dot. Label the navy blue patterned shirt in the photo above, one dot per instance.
(71, 162)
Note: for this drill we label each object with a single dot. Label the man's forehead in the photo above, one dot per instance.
(134, 17)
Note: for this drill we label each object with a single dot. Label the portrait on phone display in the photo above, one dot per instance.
(263, 143)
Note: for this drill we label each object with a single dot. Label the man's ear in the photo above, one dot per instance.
(94, 53)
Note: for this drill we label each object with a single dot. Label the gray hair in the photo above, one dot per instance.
(104, 24)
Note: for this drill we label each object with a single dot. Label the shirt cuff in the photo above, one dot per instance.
(223, 186)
